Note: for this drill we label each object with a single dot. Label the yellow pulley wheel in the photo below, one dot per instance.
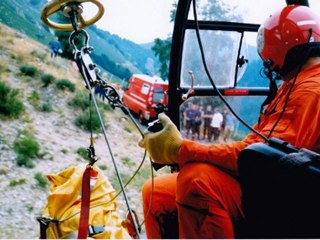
(59, 5)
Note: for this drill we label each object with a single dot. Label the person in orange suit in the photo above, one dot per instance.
(205, 196)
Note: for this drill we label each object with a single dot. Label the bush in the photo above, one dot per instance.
(10, 105)
(80, 100)
(41, 180)
(83, 152)
(14, 182)
(26, 147)
(64, 84)
(47, 79)
(83, 121)
(28, 70)
(127, 162)
(46, 107)
(103, 167)
(34, 99)
(24, 161)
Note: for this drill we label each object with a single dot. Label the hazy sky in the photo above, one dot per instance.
(141, 21)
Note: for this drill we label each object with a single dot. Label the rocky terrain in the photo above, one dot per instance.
(22, 193)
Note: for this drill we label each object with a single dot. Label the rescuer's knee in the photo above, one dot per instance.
(195, 185)
(159, 194)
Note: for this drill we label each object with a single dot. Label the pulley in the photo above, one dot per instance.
(71, 9)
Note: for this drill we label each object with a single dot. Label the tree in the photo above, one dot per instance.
(162, 48)
(217, 10)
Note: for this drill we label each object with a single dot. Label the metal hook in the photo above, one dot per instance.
(191, 90)
(73, 36)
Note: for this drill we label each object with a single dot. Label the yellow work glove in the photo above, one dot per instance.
(163, 146)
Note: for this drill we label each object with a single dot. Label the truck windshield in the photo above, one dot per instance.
(158, 94)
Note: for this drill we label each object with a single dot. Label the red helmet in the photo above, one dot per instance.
(292, 26)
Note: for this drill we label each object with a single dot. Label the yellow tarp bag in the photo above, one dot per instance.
(62, 211)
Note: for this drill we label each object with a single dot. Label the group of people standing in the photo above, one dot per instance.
(207, 124)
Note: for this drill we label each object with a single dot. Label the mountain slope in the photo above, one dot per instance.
(24, 15)
(23, 191)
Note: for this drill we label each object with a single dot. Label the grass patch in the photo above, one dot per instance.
(46, 107)
(27, 148)
(14, 182)
(41, 180)
(64, 151)
(80, 100)
(28, 70)
(127, 162)
(10, 105)
(86, 123)
(128, 126)
(103, 167)
(39, 55)
(47, 79)
(65, 84)
(34, 99)
(83, 152)
(20, 58)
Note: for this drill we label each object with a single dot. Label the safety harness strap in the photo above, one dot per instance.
(85, 204)
(44, 224)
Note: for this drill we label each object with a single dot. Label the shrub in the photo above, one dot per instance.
(14, 182)
(64, 84)
(10, 105)
(47, 79)
(80, 100)
(83, 121)
(127, 162)
(46, 107)
(34, 99)
(103, 167)
(24, 161)
(83, 152)
(41, 180)
(64, 151)
(26, 147)
(28, 70)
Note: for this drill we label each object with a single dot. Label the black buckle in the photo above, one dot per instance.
(93, 230)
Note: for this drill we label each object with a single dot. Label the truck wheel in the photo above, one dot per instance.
(141, 118)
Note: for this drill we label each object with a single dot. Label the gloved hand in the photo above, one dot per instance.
(163, 146)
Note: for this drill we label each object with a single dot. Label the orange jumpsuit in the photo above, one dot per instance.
(205, 193)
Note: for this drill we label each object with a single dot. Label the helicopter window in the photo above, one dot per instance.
(248, 11)
(221, 52)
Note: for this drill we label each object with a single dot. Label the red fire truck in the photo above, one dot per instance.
(143, 94)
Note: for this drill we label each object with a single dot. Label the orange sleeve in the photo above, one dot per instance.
(299, 125)
(223, 155)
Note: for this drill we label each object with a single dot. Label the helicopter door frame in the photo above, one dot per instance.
(181, 25)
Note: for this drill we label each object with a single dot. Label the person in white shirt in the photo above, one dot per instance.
(216, 123)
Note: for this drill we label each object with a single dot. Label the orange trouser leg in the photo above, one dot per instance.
(159, 205)
(209, 201)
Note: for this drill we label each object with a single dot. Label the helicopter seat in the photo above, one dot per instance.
(280, 185)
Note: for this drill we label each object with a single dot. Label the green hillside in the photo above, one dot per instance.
(24, 15)
(118, 56)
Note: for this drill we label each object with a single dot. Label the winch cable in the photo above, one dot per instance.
(87, 82)
(106, 87)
